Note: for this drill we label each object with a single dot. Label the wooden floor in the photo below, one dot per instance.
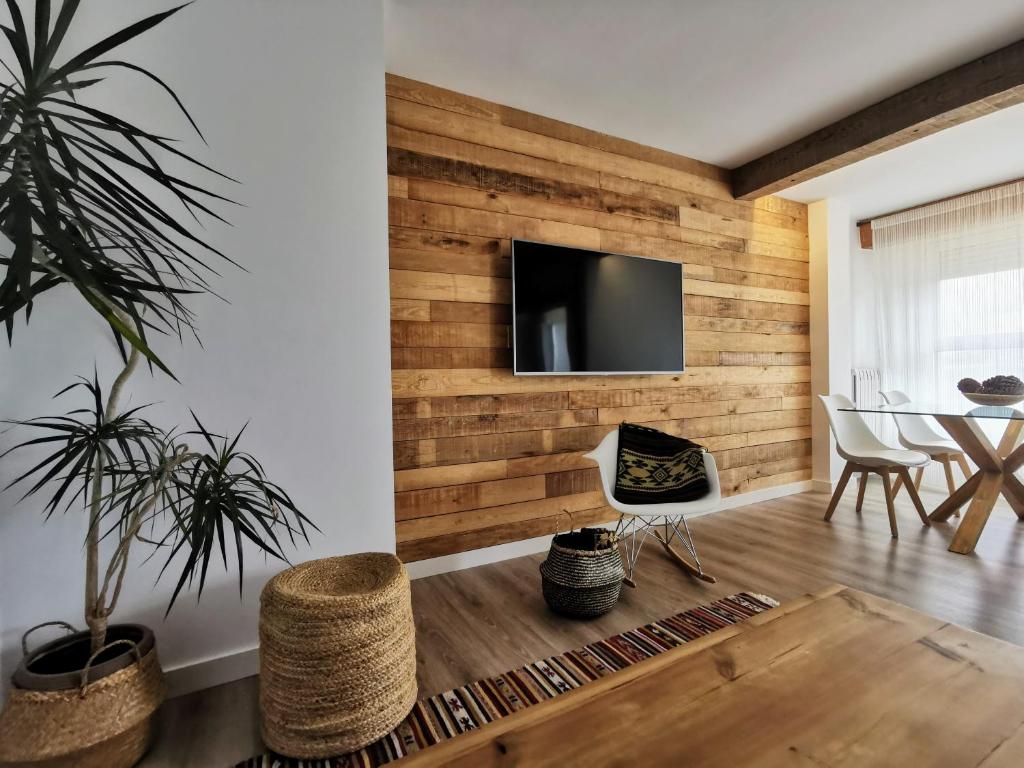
(486, 620)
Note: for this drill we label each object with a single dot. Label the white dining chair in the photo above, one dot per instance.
(865, 453)
(665, 522)
(916, 434)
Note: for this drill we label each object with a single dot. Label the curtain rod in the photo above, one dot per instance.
(863, 222)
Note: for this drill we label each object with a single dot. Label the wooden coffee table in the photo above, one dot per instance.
(838, 678)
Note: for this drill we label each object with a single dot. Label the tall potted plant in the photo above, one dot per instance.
(81, 204)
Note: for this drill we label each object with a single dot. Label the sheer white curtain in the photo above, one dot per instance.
(949, 293)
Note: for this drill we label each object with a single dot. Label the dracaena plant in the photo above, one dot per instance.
(79, 205)
(83, 190)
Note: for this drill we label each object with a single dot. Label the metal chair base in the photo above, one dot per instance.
(633, 532)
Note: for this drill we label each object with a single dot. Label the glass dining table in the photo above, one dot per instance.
(996, 464)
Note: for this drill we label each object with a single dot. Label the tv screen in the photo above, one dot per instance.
(588, 312)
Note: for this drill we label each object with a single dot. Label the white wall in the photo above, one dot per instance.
(829, 235)
(291, 99)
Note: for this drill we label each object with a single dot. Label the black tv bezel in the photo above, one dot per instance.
(682, 313)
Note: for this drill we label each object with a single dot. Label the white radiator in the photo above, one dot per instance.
(867, 383)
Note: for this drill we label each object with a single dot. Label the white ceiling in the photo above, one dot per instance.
(719, 80)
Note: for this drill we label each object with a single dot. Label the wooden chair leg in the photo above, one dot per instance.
(890, 507)
(948, 469)
(843, 480)
(860, 491)
(914, 497)
(896, 486)
(962, 461)
(918, 476)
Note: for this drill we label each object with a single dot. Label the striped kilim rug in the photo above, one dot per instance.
(448, 714)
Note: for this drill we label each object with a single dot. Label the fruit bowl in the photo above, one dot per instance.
(998, 390)
(980, 398)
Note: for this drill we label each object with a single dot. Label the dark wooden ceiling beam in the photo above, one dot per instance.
(985, 85)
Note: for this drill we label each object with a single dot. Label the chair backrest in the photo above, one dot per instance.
(895, 397)
(852, 434)
(606, 454)
(913, 428)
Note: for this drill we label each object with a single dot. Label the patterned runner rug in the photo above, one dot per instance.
(448, 714)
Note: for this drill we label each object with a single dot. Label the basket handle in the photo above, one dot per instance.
(24, 638)
(554, 519)
(88, 665)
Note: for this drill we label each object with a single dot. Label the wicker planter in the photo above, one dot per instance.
(582, 576)
(337, 654)
(103, 719)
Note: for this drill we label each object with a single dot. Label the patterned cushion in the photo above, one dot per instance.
(655, 468)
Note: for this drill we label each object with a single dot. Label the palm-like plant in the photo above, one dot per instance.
(79, 191)
(140, 482)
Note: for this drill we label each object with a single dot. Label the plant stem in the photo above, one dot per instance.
(95, 612)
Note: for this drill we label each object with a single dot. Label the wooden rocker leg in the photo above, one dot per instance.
(682, 562)
(912, 491)
(890, 508)
(860, 490)
(843, 480)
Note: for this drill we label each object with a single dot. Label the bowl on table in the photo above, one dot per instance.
(981, 398)
(998, 390)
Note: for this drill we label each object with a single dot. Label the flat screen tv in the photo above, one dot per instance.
(578, 311)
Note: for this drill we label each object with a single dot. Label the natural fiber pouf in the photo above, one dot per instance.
(337, 654)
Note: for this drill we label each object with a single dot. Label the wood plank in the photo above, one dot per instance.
(470, 312)
(718, 306)
(431, 168)
(428, 502)
(421, 549)
(444, 287)
(745, 293)
(410, 309)
(572, 481)
(618, 398)
(703, 255)
(987, 84)
(555, 510)
(493, 382)
(438, 477)
(489, 156)
(407, 238)
(488, 424)
(732, 341)
(451, 262)
(753, 212)
(439, 334)
(453, 357)
(465, 221)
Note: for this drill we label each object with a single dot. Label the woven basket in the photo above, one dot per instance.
(103, 724)
(337, 654)
(579, 580)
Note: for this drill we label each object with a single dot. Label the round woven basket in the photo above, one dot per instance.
(102, 724)
(337, 654)
(578, 581)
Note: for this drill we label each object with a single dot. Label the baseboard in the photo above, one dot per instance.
(245, 662)
(212, 672)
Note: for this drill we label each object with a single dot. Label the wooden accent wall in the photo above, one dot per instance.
(483, 457)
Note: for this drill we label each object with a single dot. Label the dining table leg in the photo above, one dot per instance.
(993, 479)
